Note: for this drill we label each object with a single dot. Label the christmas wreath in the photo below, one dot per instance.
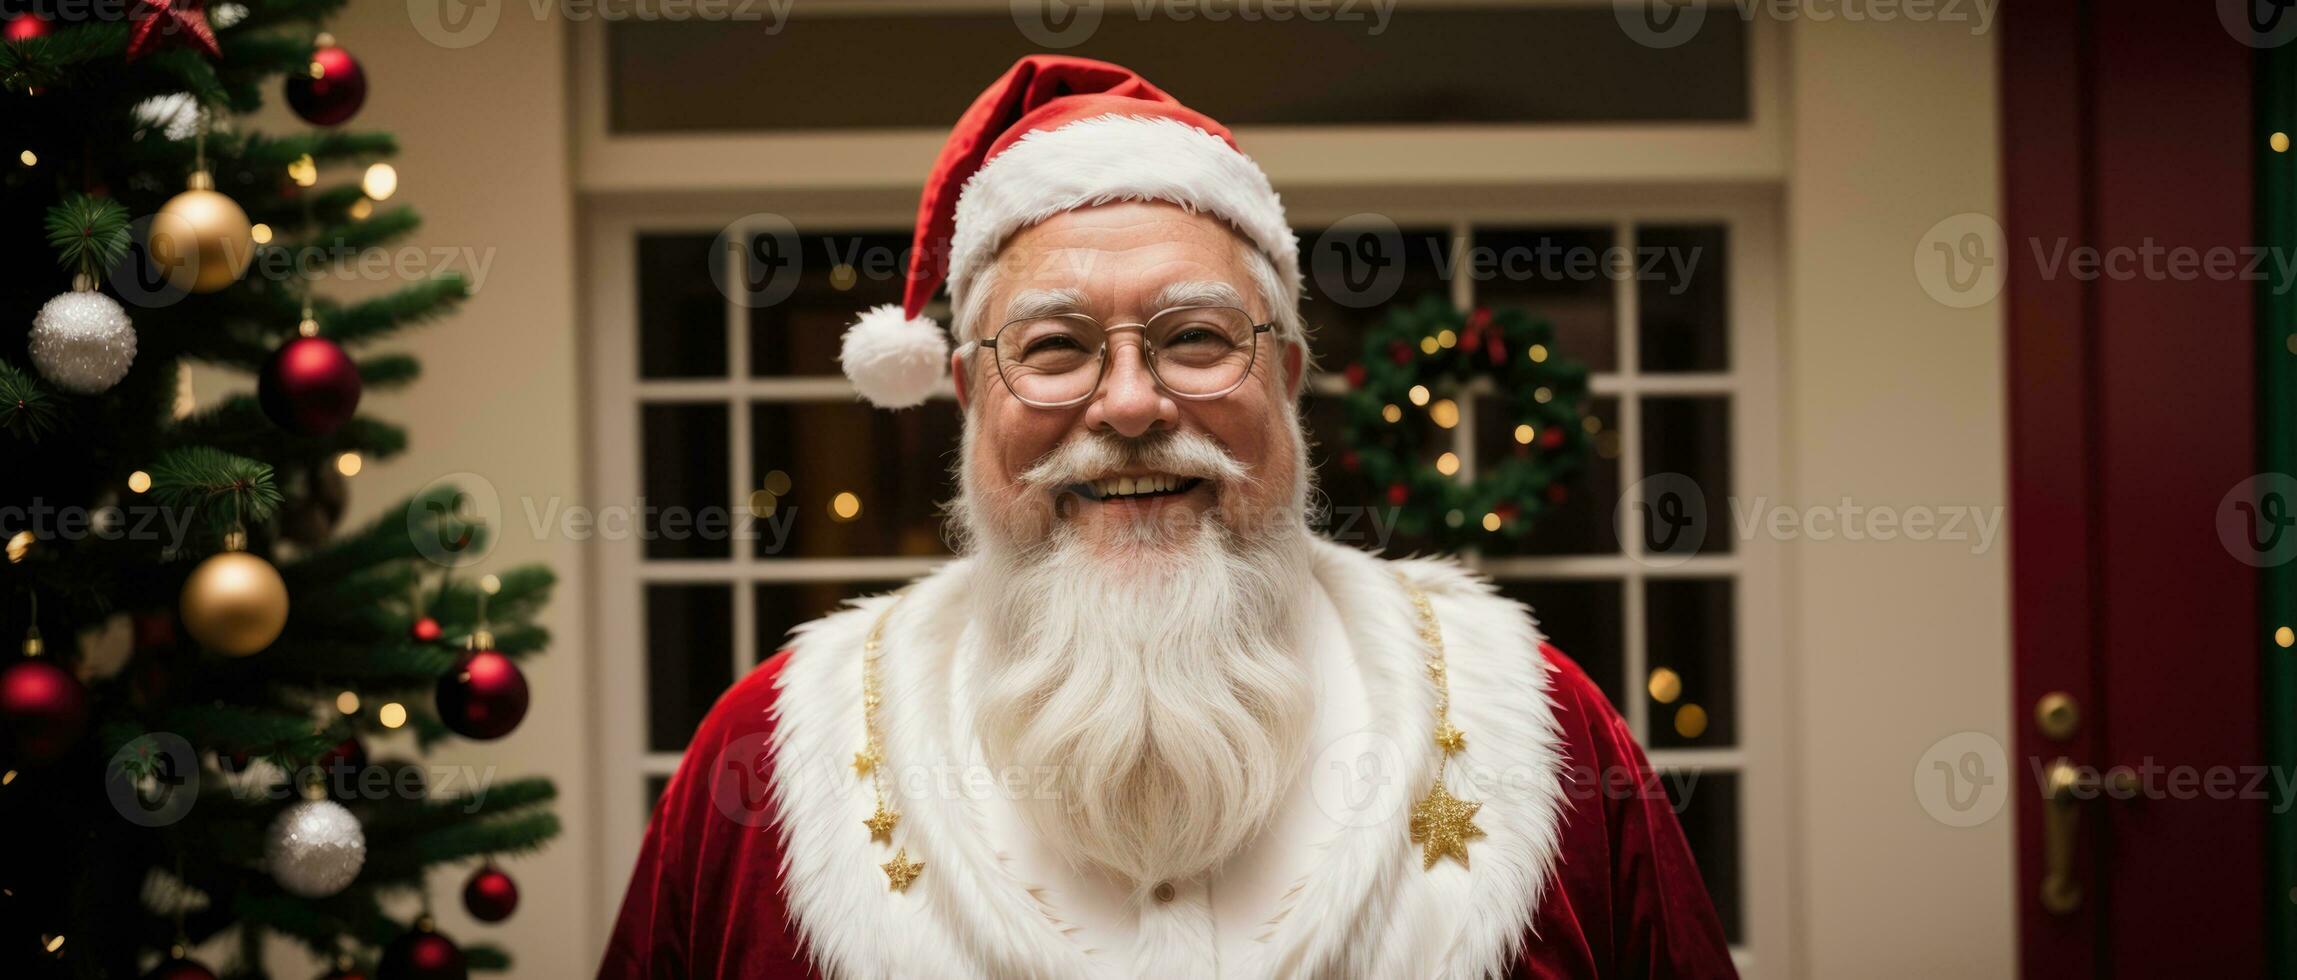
(1416, 363)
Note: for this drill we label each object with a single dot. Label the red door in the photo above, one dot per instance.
(2127, 128)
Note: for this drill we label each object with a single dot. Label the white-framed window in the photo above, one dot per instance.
(701, 400)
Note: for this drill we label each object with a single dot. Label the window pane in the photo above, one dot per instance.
(1357, 273)
(681, 314)
(1586, 523)
(1555, 273)
(684, 447)
(784, 606)
(1428, 65)
(1690, 436)
(832, 279)
(689, 658)
(1707, 804)
(1683, 298)
(1582, 619)
(1689, 625)
(844, 480)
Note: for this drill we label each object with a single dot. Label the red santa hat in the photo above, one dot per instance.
(1054, 134)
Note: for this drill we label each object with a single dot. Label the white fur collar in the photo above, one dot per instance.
(1367, 909)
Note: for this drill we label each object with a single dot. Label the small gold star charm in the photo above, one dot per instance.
(1443, 824)
(1450, 739)
(864, 762)
(881, 823)
(900, 871)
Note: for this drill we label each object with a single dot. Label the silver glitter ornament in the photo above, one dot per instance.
(315, 847)
(82, 341)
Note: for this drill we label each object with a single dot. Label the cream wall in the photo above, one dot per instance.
(1887, 397)
(1892, 398)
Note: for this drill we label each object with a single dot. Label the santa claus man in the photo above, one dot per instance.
(1148, 725)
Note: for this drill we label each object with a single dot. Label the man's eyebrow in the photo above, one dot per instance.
(1209, 292)
(1032, 303)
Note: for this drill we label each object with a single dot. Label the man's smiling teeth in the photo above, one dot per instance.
(1133, 486)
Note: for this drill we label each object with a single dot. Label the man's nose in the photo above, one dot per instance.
(1129, 402)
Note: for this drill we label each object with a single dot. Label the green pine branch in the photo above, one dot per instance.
(389, 371)
(406, 858)
(407, 305)
(42, 62)
(27, 410)
(89, 234)
(224, 486)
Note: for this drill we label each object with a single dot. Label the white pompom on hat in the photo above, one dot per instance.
(1055, 133)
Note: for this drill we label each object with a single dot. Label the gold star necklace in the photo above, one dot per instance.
(1442, 824)
(869, 763)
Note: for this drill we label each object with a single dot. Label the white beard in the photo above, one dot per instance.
(1164, 688)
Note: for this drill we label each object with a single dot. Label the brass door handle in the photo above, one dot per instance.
(2061, 829)
(2067, 786)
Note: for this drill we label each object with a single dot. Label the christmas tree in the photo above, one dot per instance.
(197, 658)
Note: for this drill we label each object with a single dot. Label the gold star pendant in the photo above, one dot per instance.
(881, 823)
(1443, 824)
(863, 762)
(900, 871)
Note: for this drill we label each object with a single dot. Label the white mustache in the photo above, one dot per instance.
(1098, 454)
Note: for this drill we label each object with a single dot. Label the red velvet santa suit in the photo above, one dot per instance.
(757, 864)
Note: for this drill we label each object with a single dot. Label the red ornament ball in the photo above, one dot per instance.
(310, 387)
(344, 971)
(1557, 494)
(26, 27)
(422, 954)
(44, 707)
(180, 969)
(1550, 437)
(1350, 461)
(1355, 376)
(330, 89)
(425, 630)
(483, 696)
(490, 895)
(1397, 494)
(1400, 352)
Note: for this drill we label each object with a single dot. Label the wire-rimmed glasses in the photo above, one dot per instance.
(1197, 353)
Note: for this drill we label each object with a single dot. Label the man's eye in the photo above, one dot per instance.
(1193, 335)
(1053, 345)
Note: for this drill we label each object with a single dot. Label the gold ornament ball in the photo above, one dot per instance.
(234, 603)
(201, 238)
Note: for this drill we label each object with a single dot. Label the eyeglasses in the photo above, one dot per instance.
(1197, 353)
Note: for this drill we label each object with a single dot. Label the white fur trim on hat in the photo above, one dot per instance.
(1115, 158)
(894, 361)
